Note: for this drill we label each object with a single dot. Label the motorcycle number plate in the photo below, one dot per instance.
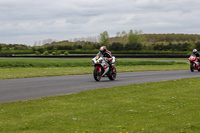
(97, 57)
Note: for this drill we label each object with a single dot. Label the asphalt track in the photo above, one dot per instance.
(32, 88)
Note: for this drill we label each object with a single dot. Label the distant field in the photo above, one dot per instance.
(160, 107)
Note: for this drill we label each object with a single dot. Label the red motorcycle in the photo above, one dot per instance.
(194, 64)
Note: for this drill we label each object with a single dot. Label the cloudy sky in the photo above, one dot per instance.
(27, 21)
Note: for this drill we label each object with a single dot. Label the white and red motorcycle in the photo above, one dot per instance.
(194, 64)
(102, 68)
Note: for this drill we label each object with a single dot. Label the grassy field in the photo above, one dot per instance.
(160, 107)
(31, 67)
(49, 62)
(167, 107)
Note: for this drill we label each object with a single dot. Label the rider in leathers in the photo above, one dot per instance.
(196, 53)
(107, 54)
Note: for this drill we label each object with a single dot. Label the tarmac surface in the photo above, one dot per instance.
(32, 88)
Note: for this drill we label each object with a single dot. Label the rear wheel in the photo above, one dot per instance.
(113, 74)
(97, 74)
(192, 67)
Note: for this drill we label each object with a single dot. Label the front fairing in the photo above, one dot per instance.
(193, 58)
(99, 61)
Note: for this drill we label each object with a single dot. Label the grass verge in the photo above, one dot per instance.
(31, 67)
(11, 73)
(43, 63)
(168, 106)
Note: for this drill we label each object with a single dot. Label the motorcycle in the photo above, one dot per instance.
(194, 64)
(102, 68)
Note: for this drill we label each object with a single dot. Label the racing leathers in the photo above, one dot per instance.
(108, 56)
(197, 55)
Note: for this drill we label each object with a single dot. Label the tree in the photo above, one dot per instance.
(133, 37)
(104, 39)
(121, 37)
(197, 44)
(133, 41)
(88, 46)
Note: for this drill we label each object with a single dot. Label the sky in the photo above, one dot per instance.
(30, 21)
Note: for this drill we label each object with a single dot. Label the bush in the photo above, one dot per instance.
(66, 53)
(79, 51)
(46, 53)
(37, 52)
(53, 53)
(116, 46)
(58, 52)
(17, 52)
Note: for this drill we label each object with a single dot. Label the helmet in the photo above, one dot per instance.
(103, 49)
(194, 51)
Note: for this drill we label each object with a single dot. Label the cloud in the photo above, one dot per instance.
(27, 21)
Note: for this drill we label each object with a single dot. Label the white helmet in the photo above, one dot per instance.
(194, 51)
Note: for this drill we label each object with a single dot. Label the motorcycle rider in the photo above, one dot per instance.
(196, 53)
(106, 54)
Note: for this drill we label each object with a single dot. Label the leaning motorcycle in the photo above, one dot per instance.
(102, 68)
(194, 64)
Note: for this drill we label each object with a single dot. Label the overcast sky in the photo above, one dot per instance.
(27, 21)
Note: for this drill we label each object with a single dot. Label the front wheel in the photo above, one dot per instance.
(113, 74)
(97, 74)
(192, 67)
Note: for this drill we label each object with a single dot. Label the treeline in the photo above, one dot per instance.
(131, 42)
(13, 47)
(123, 42)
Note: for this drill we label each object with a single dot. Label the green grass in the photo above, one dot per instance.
(11, 73)
(160, 107)
(33, 67)
(43, 63)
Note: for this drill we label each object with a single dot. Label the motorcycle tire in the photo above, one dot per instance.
(113, 74)
(96, 74)
(191, 67)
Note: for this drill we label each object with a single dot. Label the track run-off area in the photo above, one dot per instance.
(32, 88)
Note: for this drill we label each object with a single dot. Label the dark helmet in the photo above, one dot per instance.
(103, 49)
(194, 51)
